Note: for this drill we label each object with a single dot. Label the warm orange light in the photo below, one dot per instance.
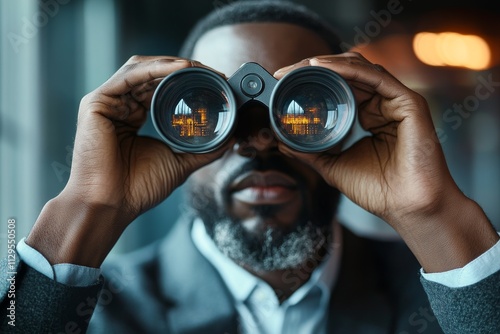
(301, 124)
(426, 49)
(194, 124)
(452, 49)
(292, 119)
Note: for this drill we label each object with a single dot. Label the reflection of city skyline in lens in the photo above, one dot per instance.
(188, 122)
(199, 116)
(309, 115)
(298, 121)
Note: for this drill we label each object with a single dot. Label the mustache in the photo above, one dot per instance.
(271, 161)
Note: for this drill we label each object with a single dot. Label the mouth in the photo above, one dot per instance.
(264, 188)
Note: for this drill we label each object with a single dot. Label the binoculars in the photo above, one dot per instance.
(311, 109)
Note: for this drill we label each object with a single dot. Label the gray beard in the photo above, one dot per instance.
(273, 247)
(271, 250)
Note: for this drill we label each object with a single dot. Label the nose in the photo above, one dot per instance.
(254, 133)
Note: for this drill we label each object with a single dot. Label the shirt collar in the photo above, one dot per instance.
(241, 283)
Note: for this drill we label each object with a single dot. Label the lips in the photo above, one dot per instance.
(264, 188)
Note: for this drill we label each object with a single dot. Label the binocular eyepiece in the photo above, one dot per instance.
(195, 110)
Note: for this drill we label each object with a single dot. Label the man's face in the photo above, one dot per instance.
(263, 209)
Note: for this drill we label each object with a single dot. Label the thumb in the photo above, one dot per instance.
(322, 162)
(195, 161)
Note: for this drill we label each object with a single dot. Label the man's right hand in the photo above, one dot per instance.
(116, 174)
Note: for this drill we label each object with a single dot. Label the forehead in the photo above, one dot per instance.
(273, 45)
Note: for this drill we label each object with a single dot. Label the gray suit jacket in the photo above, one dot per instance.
(169, 287)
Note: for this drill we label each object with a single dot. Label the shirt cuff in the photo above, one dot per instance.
(485, 265)
(64, 273)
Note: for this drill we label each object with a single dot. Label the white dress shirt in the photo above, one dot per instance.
(256, 302)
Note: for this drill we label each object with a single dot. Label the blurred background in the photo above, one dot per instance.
(53, 52)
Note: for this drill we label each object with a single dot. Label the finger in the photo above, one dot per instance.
(143, 94)
(141, 70)
(193, 63)
(372, 119)
(392, 99)
(307, 62)
(366, 97)
(135, 74)
(353, 67)
(127, 95)
(361, 91)
(359, 70)
(285, 70)
(321, 162)
(194, 161)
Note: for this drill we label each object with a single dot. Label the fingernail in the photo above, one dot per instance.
(322, 60)
(284, 69)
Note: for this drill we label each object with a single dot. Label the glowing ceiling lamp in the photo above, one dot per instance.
(452, 49)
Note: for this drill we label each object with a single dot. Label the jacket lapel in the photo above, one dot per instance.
(200, 300)
(359, 303)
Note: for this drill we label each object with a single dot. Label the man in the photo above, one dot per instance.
(261, 252)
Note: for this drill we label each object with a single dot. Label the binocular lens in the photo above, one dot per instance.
(194, 111)
(312, 109)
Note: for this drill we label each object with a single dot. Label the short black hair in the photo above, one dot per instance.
(262, 11)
